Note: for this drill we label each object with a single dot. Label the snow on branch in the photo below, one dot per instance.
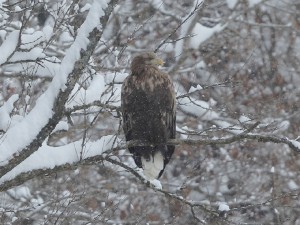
(48, 160)
(100, 150)
(25, 138)
(9, 46)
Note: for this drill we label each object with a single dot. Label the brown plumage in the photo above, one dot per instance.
(149, 113)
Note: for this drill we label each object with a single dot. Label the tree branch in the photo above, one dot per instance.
(246, 135)
(222, 141)
(196, 8)
(59, 104)
(23, 177)
(97, 103)
(26, 176)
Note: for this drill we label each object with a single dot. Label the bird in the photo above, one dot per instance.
(148, 107)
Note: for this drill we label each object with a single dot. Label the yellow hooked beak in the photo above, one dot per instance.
(157, 61)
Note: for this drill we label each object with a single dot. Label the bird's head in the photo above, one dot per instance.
(140, 62)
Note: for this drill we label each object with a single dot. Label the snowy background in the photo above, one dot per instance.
(235, 66)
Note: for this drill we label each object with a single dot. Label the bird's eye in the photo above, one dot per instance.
(151, 55)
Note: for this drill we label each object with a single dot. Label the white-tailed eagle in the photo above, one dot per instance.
(148, 104)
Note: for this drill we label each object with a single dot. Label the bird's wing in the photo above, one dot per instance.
(125, 108)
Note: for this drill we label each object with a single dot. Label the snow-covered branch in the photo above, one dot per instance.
(100, 150)
(52, 102)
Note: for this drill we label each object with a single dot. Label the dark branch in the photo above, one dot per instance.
(26, 176)
(23, 177)
(246, 135)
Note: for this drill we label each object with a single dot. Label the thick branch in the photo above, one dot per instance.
(241, 137)
(23, 177)
(26, 176)
(59, 104)
(222, 141)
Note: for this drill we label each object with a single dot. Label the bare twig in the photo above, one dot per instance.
(95, 103)
(196, 8)
(222, 84)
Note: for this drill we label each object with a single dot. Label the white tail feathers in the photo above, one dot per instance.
(153, 165)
